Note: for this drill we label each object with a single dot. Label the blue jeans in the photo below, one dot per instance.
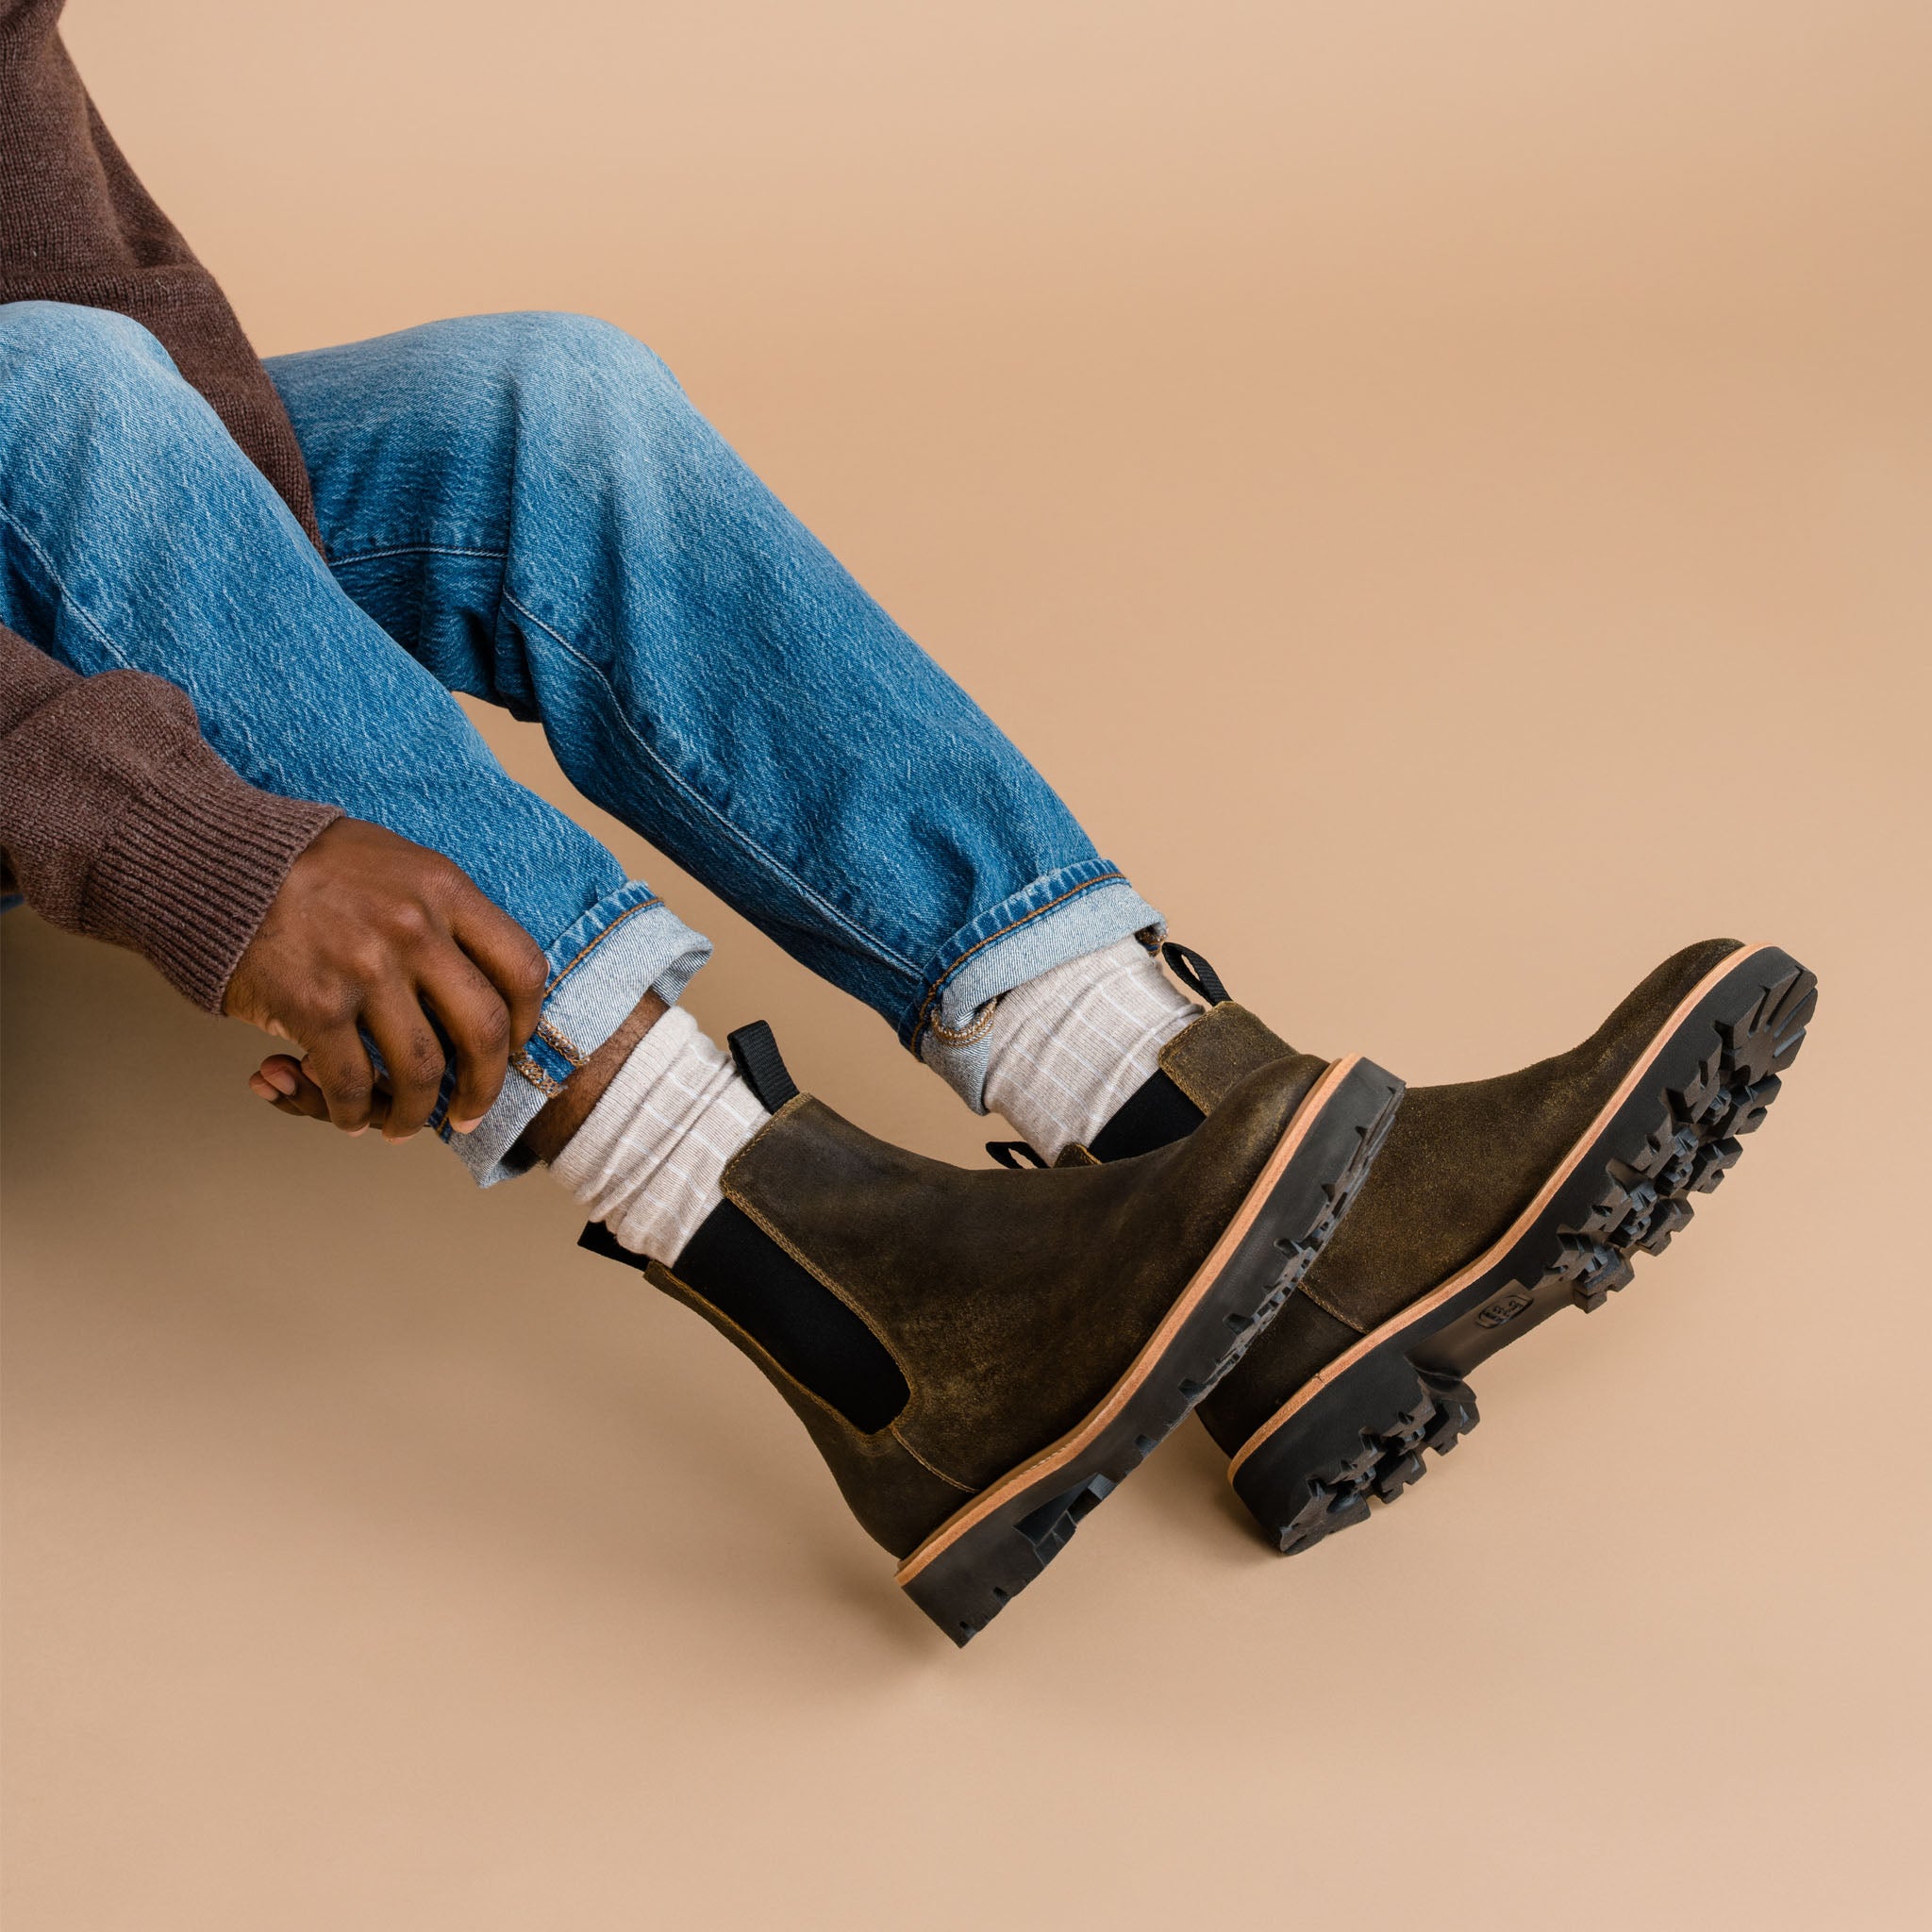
(527, 508)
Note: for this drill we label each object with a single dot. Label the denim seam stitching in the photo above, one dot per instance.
(562, 1041)
(938, 986)
(65, 594)
(576, 960)
(967, 1035)
(877, 946)
(335, 562)
(527, 1068)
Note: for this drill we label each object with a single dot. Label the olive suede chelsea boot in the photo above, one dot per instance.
(1493, 1204)
(981, 1357)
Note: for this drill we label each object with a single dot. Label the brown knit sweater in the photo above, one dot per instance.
(116, 818)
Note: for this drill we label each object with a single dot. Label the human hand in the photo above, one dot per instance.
(372, 931)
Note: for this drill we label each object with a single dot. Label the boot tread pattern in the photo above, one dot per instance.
(1411, 1396)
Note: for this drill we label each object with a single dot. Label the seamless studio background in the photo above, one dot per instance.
(1443, 491)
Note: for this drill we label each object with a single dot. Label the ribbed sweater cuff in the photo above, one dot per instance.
(191, 867)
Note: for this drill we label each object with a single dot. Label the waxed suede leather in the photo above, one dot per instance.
(1013, 1303)
(1208, 1060)
(1460, 1163)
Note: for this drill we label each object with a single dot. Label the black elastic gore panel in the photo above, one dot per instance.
(793, 1315)
(1154, 1114)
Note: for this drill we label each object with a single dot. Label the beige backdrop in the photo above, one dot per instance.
(1443, 491)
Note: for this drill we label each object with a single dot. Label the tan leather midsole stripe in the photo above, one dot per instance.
(1491, 1255)
(1177, 1318)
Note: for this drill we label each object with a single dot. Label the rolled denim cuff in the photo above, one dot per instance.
(629, 944)
(1059, 917)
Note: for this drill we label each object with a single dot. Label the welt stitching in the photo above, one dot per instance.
(875, 945)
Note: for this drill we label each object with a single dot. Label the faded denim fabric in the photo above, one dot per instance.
(527, 508)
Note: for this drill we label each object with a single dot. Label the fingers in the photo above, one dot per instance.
(285, 1084)
(412, 1056)
(479, 1023)
(375, 932)
(510, 960)
(297, 1110)
(476, 1022)
(279, 1074)
(340, 1067)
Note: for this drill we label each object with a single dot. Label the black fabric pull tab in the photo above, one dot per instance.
(1194, 973)
(760, 1065)
(1017, 1154)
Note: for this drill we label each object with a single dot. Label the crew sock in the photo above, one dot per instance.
(1068, 1047)
(648, 1160)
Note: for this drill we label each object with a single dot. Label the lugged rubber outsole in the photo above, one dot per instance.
(967, 1572)
(1357, 1433)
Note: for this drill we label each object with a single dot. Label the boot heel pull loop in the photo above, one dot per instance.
(761, 1066)
(1017, 1154)
(1194, 973)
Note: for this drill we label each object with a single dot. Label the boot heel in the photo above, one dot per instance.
(1351, 1445)
(964, 1594)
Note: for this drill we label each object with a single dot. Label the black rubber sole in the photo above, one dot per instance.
(975, 1573)
(1361, 1436)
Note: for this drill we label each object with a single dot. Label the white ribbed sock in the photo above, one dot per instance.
(648, 1160)
(1068, 1047)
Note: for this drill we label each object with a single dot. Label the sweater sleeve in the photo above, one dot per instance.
(118, 820)
(77, 226)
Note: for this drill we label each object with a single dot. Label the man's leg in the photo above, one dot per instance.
(981, 1357)
(532, 506)
(134, 533)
